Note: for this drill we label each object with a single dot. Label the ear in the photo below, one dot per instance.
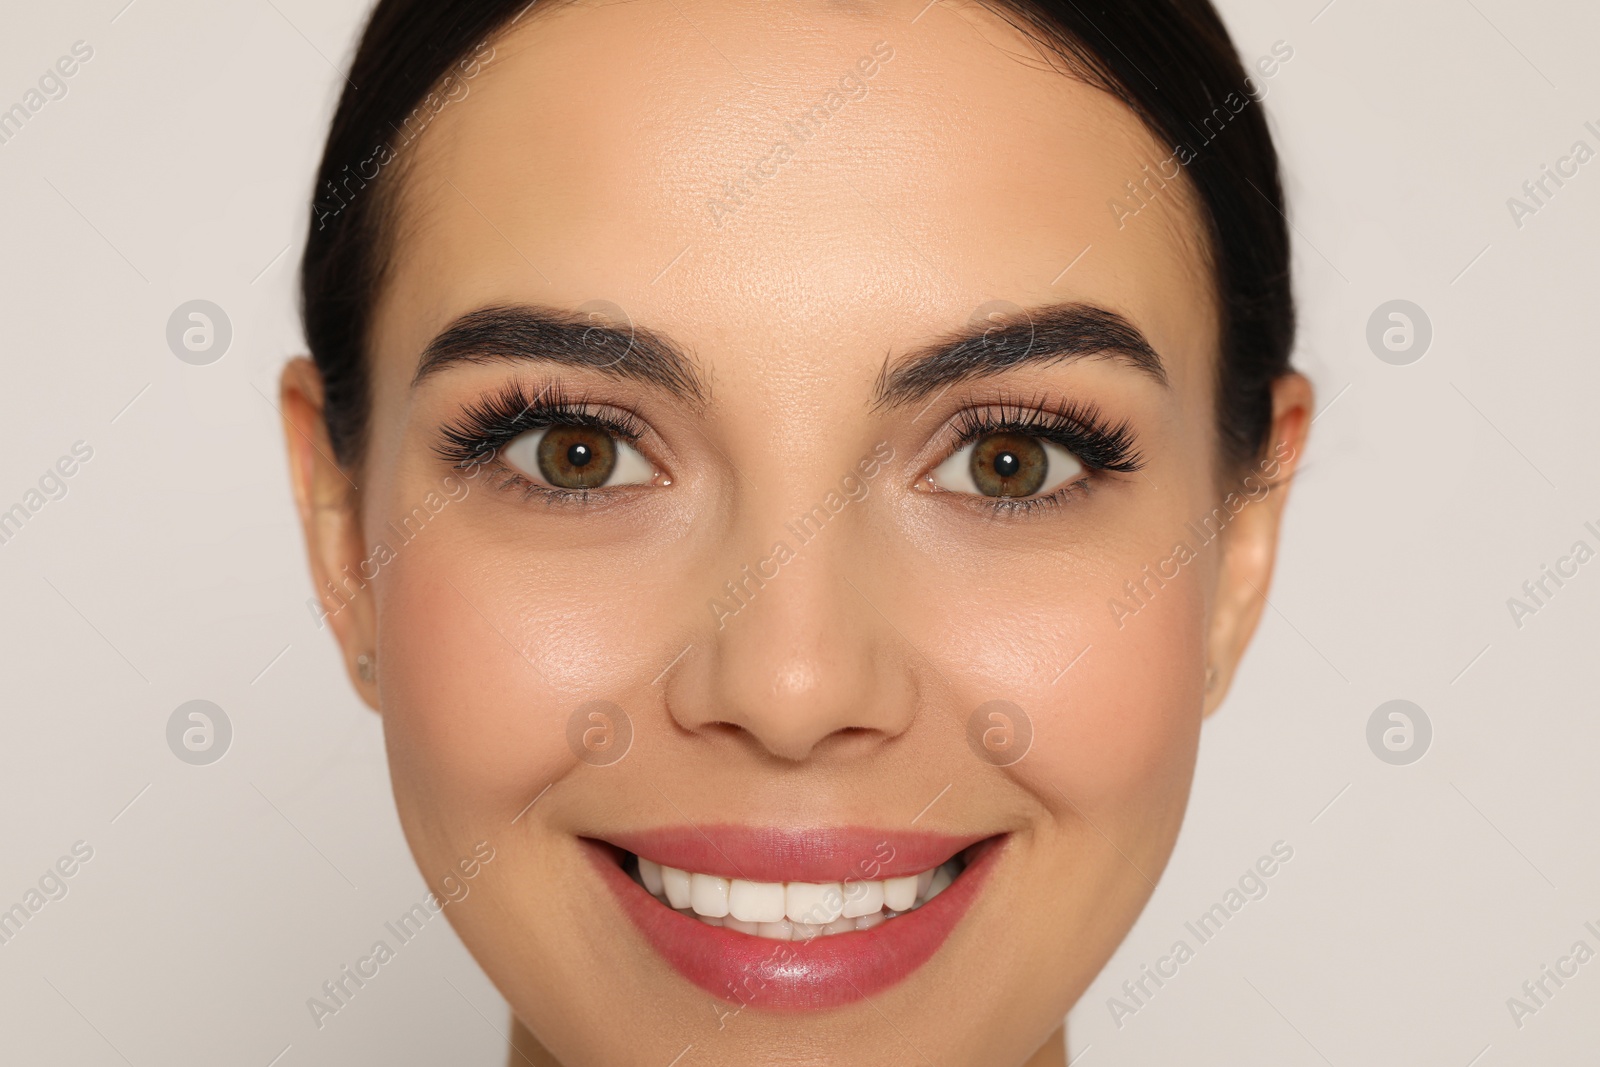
(1250, 540)
(329, 502)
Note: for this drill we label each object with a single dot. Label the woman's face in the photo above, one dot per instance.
(918, 402)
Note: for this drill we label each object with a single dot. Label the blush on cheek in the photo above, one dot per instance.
(1118, 733)
(476, 684)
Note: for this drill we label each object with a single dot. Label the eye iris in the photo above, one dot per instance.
(576, 457)
(1009, 464)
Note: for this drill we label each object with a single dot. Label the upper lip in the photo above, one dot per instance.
(772, 854)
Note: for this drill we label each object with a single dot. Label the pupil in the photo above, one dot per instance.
(579, 455)
(1006, 464)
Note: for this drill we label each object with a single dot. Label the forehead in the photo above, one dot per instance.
(789, 185)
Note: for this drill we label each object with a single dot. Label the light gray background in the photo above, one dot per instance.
(219, 898)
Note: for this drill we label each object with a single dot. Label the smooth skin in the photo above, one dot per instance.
(579, 168)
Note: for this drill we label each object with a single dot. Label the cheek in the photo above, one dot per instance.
(1121, 728)
(483, 664)
(1117, 730)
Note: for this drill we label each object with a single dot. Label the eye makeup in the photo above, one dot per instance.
(487, 427)
(486, 431)
(1011, 444)
(490, 423)
(1079, 427)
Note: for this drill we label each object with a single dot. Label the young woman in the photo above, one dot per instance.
(793, 478)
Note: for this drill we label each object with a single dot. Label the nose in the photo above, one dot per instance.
(800, 662)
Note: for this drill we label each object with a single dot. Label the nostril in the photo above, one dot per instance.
(850, 738)
(791, 741)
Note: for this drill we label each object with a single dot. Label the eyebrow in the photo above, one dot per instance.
(1057, 333)
(514, 333)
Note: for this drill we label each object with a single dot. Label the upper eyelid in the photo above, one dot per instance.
(486, 417)
(626, 428)
(1038, 417)
(1033, 412)
(580, 412)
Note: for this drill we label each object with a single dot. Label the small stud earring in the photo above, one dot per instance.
(367, 666)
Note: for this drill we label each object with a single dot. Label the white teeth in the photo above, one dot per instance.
(793, 911)
(676, 885)
(862, 898)
(898, 893)
(813, 902)
(756, 902)
(650, 875)
(708, 895)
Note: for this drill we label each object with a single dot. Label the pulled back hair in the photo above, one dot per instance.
(1170, 61)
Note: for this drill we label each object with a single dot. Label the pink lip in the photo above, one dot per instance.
(765, 854)
(825, 972)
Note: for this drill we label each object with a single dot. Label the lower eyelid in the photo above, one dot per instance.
(1057, 497)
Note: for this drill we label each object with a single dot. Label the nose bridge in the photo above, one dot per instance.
(798, 656)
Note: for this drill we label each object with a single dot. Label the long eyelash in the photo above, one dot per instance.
(1080, 428)
(492, 422)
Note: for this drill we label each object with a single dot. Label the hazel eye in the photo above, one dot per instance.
(1007, 465)
(577, 458)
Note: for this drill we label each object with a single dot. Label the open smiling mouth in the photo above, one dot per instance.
(793, 911)
(787, 920)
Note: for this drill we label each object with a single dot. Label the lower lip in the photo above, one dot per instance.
(824, 972)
